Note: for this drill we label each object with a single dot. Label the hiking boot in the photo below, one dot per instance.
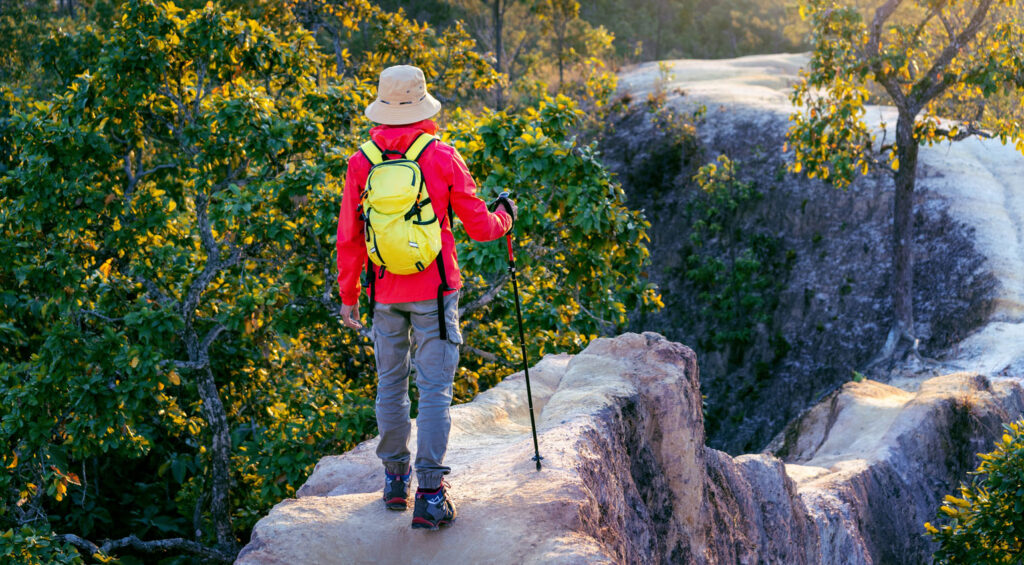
(396, 491)
(433, 508)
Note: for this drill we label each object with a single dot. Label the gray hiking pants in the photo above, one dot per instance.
(396, 328)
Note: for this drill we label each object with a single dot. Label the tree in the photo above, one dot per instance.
(509, 30)
(927, 58)
(175, 170)
(171, 362)
(570, 40)
(985, 524)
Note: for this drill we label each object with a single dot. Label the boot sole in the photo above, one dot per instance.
(423, 524)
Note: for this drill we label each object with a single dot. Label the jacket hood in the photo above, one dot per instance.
(399, 138)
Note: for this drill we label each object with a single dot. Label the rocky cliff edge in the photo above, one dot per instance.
(626, 477)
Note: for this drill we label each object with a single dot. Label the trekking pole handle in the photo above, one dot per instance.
(503, 195)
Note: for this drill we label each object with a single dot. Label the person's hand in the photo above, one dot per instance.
(510, 207)
(350, 316)
(506, 204)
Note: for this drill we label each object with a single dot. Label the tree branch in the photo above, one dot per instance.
(200, 86)
(487, 355)
(102, 317)
(950, 30)
(210, 336)
(155, 291)
(936, 11)
(214, 264)
(930, 86)
(192, 365)
(597, 318)
(156, 168)
(170, 545)
(487, 297)
(873, 48)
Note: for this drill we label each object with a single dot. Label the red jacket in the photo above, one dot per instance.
(448, 180)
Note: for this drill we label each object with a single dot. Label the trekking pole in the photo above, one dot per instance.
(522, 338)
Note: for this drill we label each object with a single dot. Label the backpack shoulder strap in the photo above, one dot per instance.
(372, 152)
(419, 146)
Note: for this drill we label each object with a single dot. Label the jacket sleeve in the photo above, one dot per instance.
(350, 246)
(480, 224)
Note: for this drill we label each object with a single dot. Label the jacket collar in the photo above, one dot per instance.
(399, 138)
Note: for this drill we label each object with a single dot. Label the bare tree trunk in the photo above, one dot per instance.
(498, 16)
(199, 360)
(220, 458)
(561, 57)
(658, 24)
(339, 61)
(903, 225)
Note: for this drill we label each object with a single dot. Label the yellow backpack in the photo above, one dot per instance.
(403, 234)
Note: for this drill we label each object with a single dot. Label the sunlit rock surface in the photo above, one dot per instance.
(627, 479)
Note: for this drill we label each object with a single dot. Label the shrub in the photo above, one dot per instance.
(985, 524)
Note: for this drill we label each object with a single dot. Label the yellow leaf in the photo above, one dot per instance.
(117, 224)
(171, 205)
(896, 164)
(174, 378)
(14, 462)
(135, 362)
(105, 268)
(798, 167)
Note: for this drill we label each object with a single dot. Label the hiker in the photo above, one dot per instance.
(413, 301)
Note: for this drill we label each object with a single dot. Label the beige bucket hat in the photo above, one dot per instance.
(402, 97)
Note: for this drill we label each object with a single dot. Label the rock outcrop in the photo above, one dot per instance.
(627, 478)
(830, 308)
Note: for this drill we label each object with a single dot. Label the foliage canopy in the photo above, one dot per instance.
(172, 364)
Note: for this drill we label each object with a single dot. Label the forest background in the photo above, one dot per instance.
(170, 175)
